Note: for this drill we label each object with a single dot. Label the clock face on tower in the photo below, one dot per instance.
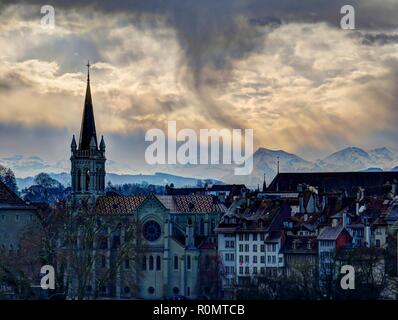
(152, 230)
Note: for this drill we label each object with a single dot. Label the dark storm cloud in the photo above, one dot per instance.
(214, 34)
(379, 39)
(12, 81)
(210, 33)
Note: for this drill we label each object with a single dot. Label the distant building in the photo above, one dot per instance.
(15, 216)
(375, 183)
(301, 256)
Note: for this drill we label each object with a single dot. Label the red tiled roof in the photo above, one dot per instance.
(118, 204)
(184, 203)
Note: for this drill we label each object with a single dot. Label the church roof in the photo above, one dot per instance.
(87, 130)
(115, 205)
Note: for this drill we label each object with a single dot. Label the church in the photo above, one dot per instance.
(178, 252)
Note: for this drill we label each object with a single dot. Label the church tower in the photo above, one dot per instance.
(88, 158)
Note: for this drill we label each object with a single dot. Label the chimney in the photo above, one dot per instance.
(345, 219)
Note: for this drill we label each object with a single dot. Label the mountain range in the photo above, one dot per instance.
(265, 162)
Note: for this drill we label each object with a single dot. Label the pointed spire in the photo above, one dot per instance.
(102, 144)
(87, 130)
(264, 184)
(73, 145)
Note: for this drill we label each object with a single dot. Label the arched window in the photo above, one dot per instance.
(87, 180)
(99, 181)
(175, 262)
(151, 263)
(79, 180)
(201, 226)
(158, 263)
(189, 262)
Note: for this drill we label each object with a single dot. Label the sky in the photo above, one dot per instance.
(284, 68)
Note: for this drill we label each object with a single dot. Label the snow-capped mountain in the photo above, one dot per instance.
(355, 159)
(265, 161)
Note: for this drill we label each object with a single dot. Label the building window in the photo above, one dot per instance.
(254, 270)
(150, 262)
(188, 262)
(246, 237)
(262, 248)
(273, 259)
(241, 248)
(116, 242)
(247, 259)
(254, 259)
(240, 259)
(241, 270)
(262, 259)
(241, 237)
(151, 290)
(201, 227)
(144, 263)
(247, 248)
(254, 248)
(378, 243)
(247, 270)
(269, 259)
(17, 217)
(158, 263)
(262, 237)
(175, 262)
(254, 236)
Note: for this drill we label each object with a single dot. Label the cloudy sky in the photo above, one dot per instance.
(282, 67)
